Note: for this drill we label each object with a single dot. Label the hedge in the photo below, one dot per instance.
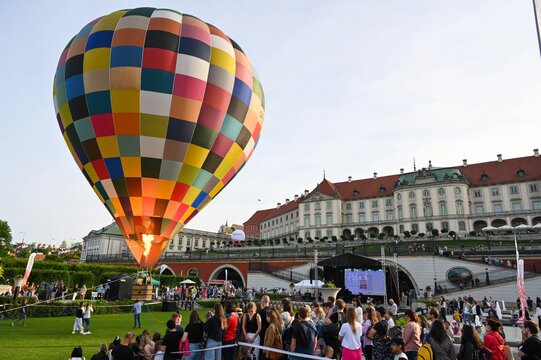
(58, 308)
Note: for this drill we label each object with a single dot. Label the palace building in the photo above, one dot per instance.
(462, 199)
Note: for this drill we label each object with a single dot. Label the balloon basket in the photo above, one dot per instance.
(141, 292)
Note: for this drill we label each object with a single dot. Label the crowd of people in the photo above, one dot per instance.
(333, 330)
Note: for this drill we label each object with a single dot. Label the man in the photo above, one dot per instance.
(22, 313)
(137, 308)
(171, 340)
(334, 317)
(531, 347)
(394, 307)
(124, 351)
(265, 306)
(177, 318)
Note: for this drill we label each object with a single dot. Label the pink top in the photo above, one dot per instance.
(412, 336)
(366, 326)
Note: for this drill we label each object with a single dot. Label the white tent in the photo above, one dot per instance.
(307, 284)
(523, 227)
(537, 226)
(188, 281)
(505, 227)
(489, 228)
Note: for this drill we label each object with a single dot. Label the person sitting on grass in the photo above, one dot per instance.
(77, 353)
(102, 354)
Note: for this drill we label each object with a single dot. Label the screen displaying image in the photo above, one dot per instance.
(366, 282)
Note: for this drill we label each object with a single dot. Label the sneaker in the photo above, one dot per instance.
(88, 333)
(83, 333)
(73, 332)
(12, 324)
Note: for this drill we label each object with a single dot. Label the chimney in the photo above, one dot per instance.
(375, 175)
(296, 197)
(349, 178)
(536, 152)
(499, 157)
(287, 201)
(306, 192)
(401, 170)
(465, 162)
(278, 205)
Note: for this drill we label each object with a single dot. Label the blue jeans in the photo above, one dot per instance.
(193, 355)
(215, 354)
(136, 319)
(86, 322)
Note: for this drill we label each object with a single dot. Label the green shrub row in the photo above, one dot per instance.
(71, 274)
(57, 308)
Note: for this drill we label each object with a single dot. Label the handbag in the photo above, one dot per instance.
(184, 347)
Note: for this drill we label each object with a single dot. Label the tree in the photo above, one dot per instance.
(435, 232)
(334, 238)
(309, 239)
(452, 233)
(381, 236)
(284, 241)
(421, 235)
(299, 240)
(323, 239)
(5, 232)
(407, 234)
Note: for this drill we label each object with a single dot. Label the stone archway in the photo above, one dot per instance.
(346, 233)
(388, 231)
(536, 220)
(233, 274)
(479, 225)
(518, 221)
(359, 232)
(498, 222)
(373, 232)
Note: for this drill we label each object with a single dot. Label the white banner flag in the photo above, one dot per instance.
(28, 269)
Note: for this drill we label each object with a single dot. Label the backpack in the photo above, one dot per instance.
(329, 333)
(394, 332)
(426, 353)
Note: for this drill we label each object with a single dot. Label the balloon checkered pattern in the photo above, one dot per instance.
(160, 110)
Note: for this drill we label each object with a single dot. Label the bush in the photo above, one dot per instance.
(414, 232)
(452, 233)
(421, 235)
(381, 236)
(407, 234)
(435, 232)
(444, 231)
(473, 233)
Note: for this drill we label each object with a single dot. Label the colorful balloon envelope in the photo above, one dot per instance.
(160, 111)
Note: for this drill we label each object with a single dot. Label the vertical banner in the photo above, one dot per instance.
(28, 269)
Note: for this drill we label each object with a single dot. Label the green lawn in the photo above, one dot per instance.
(51, 338)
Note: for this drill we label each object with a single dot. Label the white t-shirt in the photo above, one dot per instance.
(394, 309)
(400, 356)
(350, 340)
(359, 311)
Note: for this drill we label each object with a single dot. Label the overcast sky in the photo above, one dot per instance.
(352, 87)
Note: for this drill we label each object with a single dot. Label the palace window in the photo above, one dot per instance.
(413, 211)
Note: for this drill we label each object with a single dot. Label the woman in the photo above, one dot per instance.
(146, 345)
(303, 338)
(273, 335)
(214, 328)
(389, 317)
(102, 354)
(470, 344)
(77, 353)
(412, 335)
(358, 308)
(350, 336)
(382, 343)
(230, 333)
(194, 333)
(86, 318)
(369, 322)
(251, 327)
(493, 340)
(287, 314)
(442, 345)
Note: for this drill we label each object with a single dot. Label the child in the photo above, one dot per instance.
(328, 352)
(160, 350)
(397, 346)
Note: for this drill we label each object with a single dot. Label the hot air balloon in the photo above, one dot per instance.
(160, 111)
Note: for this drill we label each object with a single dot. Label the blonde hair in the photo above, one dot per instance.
(352, 318)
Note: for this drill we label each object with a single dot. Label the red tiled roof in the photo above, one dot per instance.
(367, 188)
(258, 216)
(282, 209)
(504, 172)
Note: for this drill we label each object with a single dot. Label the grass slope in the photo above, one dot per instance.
(51, 338)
